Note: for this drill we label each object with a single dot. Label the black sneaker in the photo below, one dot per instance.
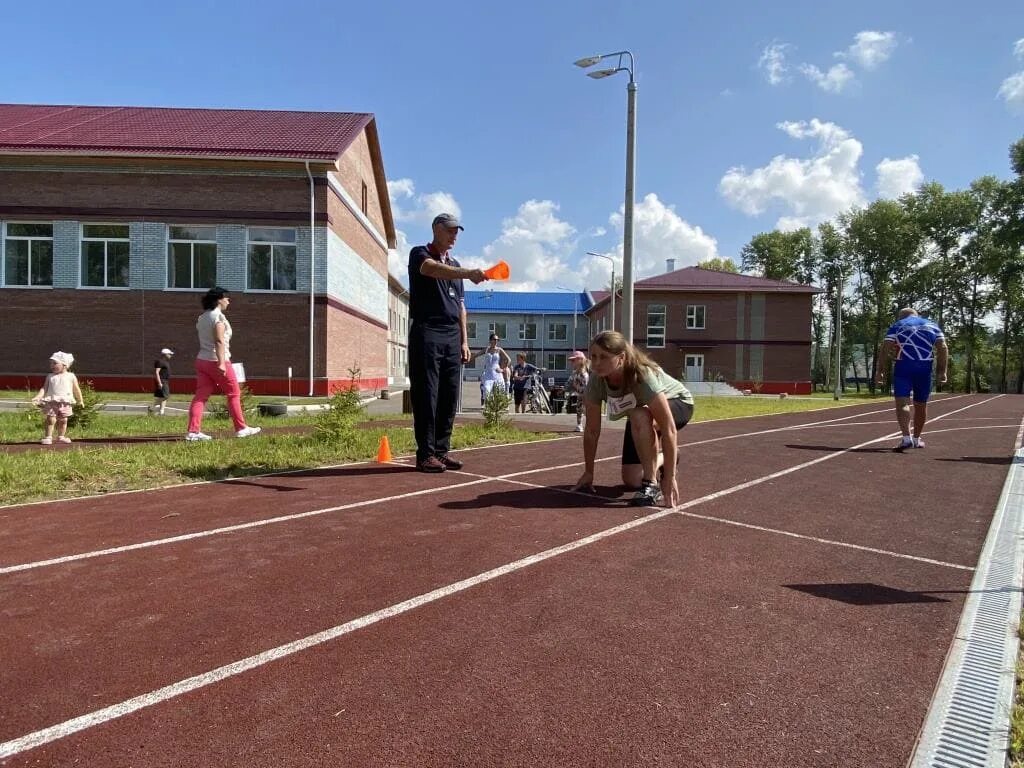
(431, 465)
(649, 495)
(449, 462)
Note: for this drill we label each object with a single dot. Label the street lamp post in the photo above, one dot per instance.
(612, 262)
(839, 338)
(627, 223)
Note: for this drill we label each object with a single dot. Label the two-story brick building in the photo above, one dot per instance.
(114, 220)
(705, 325)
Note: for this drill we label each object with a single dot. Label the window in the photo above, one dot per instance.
(105, 249)
(556, 361)
(497, 328)
(471, 330)
(655, 325)
(558, 332)
(528, 332)
(695, 316)
(364, 199)
(271, 259)
(191, 257)
(28, 254)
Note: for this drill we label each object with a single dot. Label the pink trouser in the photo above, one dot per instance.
(210, 379)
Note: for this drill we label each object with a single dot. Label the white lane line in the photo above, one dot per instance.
(106, 714)
(325, 510)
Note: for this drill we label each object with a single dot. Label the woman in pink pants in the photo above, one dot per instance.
(213, 367)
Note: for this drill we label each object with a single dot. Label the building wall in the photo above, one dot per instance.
(272, 328)
(750, 339)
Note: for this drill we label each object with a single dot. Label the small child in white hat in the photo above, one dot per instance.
(59, 392)
(577, 385)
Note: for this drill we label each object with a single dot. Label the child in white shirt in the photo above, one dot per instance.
(58, 393)
(577, 383)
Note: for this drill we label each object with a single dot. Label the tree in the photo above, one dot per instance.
(719, 264)
(780, 255)
(884, 239)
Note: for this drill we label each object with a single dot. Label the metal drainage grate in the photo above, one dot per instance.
(968, 722)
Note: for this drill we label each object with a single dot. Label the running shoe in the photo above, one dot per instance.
(248, 431)
(918, 442)
(47, 441)
(649, 495)
(905, 442)
(64, 439)
(196, 437)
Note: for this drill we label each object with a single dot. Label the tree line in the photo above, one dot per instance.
(957, 256)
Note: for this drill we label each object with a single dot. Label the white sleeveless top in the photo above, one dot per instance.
(492, 365)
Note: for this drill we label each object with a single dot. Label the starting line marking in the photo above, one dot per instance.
(129, 706)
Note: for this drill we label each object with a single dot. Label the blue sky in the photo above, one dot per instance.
(750, 115)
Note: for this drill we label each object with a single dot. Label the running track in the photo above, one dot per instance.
(795, 610)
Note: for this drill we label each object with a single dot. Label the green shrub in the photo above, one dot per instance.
(344, 412)
(496, 407)
(84, 415)
(219, 410)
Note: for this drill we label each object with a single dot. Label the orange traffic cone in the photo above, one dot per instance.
(384, 451)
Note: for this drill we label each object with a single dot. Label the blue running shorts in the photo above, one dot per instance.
(912, 376)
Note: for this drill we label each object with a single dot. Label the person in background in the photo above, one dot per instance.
(657, 406)
(161, 382)
(214, 372)
(496, 361)
(59, 392)
(915, 343)
(438, 343)
(521, 373)
(577, 384)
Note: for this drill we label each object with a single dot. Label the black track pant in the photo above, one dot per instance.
(435, 365)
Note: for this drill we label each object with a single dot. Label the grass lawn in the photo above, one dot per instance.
(39, 474)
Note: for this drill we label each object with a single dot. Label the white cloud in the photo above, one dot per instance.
(536, 244)
(1018, 48)
(898, 177)
(1012, 90)
(408, 206)
(810, 190)
(833, 81)
(659, 233)
(870, 48)
(773, 63)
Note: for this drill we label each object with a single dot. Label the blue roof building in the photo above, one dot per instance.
(546, 326)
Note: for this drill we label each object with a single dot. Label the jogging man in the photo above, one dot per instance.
(915, 344)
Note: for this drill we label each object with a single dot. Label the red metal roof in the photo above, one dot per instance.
(36, 128)
(698, 279)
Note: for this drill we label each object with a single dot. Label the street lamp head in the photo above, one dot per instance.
(589, 61)
(603, 73)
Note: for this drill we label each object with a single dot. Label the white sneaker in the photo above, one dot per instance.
(195, 437)
(918, 442)
(579, 427)
(248, 432)
(905, 442)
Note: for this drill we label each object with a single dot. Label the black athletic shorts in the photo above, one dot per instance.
(681, 412)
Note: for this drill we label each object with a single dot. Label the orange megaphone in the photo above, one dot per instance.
(499, 271)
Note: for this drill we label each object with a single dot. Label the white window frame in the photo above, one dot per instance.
(493, 328)
(21, 238)
(274, 245)
(553, 358)
(192, 257)
(83, 239)
(523, 336)
(552, 332)
(656, 333)
(691, 317)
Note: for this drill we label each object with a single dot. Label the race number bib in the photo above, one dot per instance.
(619, 405)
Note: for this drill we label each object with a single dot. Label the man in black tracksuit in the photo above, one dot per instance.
(437, 342)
